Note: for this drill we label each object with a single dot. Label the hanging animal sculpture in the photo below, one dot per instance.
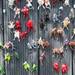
(73, 35)
(40, 2)
(56, 32)
(71, 14)
(42, 57)
(43, 43)
(47, 4)
(67, 3)
(29, 4)
(66, 22)
(11, 24)
(58, 51)
(44, 4)
(11, 3)
(17, 12)
(32, 44)
(8, 45)
(25, 11)
(18, 25)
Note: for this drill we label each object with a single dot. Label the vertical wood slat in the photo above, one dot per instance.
(19, 50)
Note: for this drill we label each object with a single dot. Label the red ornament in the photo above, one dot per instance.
(29, 25)
(18, 25)
(64, 68)
(25, 11)
(23, 34)
(56, 67)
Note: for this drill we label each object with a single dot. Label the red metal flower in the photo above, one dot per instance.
(23, 34)
(64, 68)
(25, 11)
(29, 25)
(56, 67)
(18, 25)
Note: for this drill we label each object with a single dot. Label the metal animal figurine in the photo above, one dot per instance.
(55, 18)
(58, 51)
(17, 12)
(11, 3)
(47, 4)
(57, 32)
(18, 25)
(11, 24)
(44, 4)
(41, 3)
(25, 11)
(42, 57)
(43, 43)
(23, 35)
(72, 13)
(29, 4)
(29, 25)
(73, 34)
(66, 22)
(56, 67)
(26, 66)
(7, 57)
(8, 45)
(16, 35)
(32, 44)
(64, 68)
(67, 3)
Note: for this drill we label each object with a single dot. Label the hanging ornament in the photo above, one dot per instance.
(17, 35)
(29, 4)
(25, 11)
(8, 45)
(43, 43)
(42, 57)
(23, 34)
(64, 68)
(11, 24)
(56, 67)
(29, 25)
(72, 13)
(26, 66)
(47, 4)
(17, 12)
(58, 51)
(67, 3)
(41, 3)
(66, 22)
(18, 25)
(7, 57)
(11, 3)
(34, 68)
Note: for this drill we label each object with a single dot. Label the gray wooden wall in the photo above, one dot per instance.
(15, 66)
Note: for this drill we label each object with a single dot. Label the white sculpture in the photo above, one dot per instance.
(16, 35)
(67, 3)
(11, 3)
(29, 4)
(17, 12)
(11, 24)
